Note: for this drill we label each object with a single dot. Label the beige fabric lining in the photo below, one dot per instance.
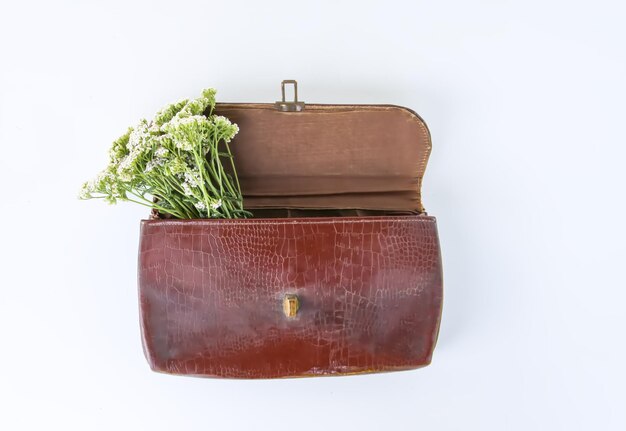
(367, 157)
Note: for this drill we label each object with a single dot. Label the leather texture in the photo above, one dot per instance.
(211, 295)
(370, 157)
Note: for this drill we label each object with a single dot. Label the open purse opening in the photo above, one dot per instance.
(298, 213)
(328, 160)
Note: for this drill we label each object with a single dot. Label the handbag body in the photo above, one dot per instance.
(338, 272)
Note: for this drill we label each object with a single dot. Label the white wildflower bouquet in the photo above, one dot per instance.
(173, 164)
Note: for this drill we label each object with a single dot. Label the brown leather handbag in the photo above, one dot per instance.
(339, 270)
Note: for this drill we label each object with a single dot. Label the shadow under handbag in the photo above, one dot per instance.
(338, 272)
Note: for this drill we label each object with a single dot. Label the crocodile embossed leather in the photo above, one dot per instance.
(212, 292)
(339, 272)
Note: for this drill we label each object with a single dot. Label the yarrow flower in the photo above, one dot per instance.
(172, 163)
(225, 129)
(139, 137)
(187, 189)
(193, 178)
(215, 205)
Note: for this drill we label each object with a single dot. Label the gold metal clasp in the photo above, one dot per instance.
(283, 105)
(291, 304)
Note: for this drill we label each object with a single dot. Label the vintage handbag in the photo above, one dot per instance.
(338, 272)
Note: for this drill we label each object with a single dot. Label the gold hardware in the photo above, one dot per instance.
(294, 106)
(291, 304)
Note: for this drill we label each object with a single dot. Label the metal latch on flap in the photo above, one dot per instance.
(294, 106)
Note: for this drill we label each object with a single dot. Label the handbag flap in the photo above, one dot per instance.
(369, 157)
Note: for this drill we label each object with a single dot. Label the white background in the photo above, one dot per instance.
(526, 104)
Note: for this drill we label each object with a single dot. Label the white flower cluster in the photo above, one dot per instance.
(173, 159)
(105, 180)
(193, 178)
(216, 204)
(225, 129)
(159, 159)
(138, 143)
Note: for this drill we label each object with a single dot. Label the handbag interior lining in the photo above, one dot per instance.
(328, 160)
(367, 157)
(299, 213)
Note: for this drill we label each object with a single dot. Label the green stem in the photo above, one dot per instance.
(167, 184)
(232, 163)
(152, 205)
